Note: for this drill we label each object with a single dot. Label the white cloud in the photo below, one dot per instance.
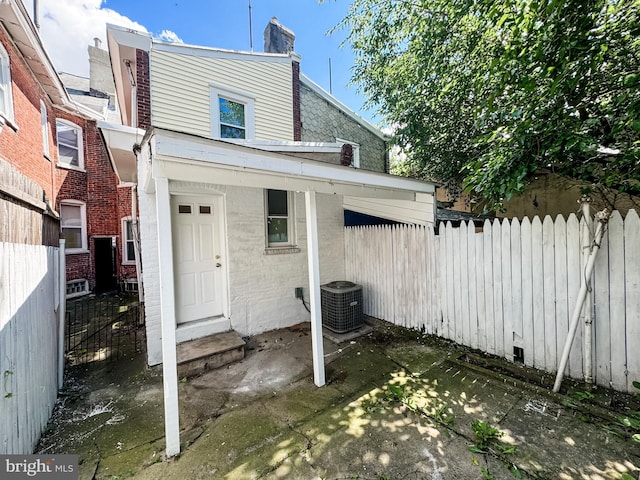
(169, 36)
(68, 27)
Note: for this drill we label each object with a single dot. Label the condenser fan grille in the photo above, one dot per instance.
(341, 306)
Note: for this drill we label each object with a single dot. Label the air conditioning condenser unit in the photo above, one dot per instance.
(341, 303)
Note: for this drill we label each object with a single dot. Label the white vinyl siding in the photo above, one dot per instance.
(181, 92)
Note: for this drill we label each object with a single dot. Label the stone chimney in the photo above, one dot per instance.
(277, 38)
(100, 75)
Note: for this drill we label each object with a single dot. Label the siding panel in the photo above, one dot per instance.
(180, 92)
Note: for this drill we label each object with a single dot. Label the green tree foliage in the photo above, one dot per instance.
(486, 92)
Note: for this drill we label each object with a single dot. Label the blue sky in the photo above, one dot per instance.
(68, 24)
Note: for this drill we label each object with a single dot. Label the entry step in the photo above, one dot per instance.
(207, 353)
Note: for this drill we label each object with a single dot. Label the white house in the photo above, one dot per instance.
(235, 211)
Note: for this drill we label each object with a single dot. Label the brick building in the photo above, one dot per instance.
(50, 142)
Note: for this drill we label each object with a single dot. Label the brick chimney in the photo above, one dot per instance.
(277, 38)
(100, 75)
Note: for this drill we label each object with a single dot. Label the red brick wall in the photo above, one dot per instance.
(143, 89)
(124, 211)
(23, 148)
(105, 204)
(297, 120)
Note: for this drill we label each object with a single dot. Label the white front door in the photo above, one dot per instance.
(197, 257)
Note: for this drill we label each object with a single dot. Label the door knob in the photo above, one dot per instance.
(218, 265)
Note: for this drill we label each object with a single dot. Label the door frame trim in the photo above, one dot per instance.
(219, 200)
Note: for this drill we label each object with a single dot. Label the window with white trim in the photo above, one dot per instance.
(355, 161)
(232, 113)
(70, 150)
(279, 218)
(128, 242)
(77, 287)
(44, 124)
(6, 97)
(73, 225)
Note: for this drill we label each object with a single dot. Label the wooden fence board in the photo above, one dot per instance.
(481, 318)
(548, 258)
(472, 286)
(489, 330)
(527, 292)
(516, 280)
(464, 271)
(601, 323)
(617, 307)
(537, 275)
(561, 285)
(498, 330)
(632, 287)
(28, 342)
(507, 298)
(511, 284)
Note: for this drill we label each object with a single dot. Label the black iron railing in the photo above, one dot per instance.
(103, 327)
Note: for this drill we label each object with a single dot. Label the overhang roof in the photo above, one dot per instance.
(181, 156)
(21, 29)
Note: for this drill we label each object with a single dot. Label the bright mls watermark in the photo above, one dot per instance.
(50, 467)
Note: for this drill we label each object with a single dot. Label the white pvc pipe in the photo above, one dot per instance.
(136, 241)
(582, 295)
(62, 308)
(588, 320)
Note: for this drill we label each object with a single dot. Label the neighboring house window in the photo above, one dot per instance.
(6, 98)
(44, 124)
(232, 114)
(279, 213)
(73, 223)
(128, 242)
(355, 162)
(70, 152)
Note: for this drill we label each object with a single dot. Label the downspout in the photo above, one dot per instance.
(602, 218)
(588, 318)
(136, 240)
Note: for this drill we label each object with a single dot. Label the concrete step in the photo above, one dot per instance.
(206, 353)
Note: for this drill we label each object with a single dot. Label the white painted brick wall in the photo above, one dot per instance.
(261, 287)
(150, 272)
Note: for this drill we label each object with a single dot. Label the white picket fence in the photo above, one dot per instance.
(514, 284)
(29, 297)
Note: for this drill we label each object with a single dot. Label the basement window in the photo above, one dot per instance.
(78, 287)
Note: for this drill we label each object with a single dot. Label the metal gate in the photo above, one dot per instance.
(103, 328)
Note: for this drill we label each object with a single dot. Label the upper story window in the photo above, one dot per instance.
(70, 151)
(355, 151)
(73, 224)
(280, 218)
(44, 124)
(232, 113)
(6, 97)
(232, 122)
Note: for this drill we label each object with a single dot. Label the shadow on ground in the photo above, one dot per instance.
(397, 405)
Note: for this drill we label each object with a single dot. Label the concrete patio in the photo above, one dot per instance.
(397, 406)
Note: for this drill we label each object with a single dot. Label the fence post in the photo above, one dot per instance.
(62, 309)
